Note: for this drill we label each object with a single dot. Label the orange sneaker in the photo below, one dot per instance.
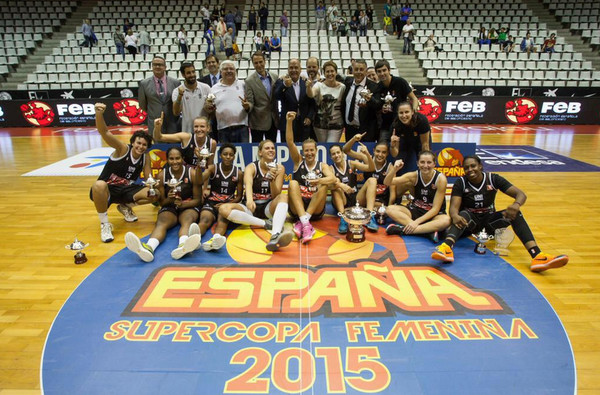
(443, 253)
(543, 261)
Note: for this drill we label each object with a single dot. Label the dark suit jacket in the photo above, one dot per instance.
(207, 79)
(305, 108)
(153, 104)
(367, 116)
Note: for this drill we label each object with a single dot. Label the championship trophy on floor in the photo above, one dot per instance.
(78, 246)
(482, 238)
(356, 217)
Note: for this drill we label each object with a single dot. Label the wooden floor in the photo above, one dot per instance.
(38, 216)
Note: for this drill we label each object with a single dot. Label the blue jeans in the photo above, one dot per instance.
(209, 46)
(238, 134)
(283, 31)
(120, 49)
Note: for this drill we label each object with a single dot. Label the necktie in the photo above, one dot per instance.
(214, 80)
(352, 104)
(161, 90)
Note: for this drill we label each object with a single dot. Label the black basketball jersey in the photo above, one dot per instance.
(300, 176)
(480, 199)
(124, 170)
(187, 183)
(425, 193)
(382, 189)
(261, 186)
(189, 151)
(223, 186)
(347, 177)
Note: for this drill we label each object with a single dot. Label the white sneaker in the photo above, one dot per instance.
(106, 232)
(194, 229)
(143, 250)
(215, 243)
(189, 245)
(127, 213)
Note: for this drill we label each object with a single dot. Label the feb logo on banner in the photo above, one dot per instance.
(330, 317)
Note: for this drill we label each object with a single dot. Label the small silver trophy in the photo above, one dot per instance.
(482, 238)
(388, 99)
(365, 95)
(78, 246)
(503, 237)
(151, 183)
(310, 176)
(381, 215)
(175, 184)
(210, 99)
(204, 154)
(270, 166)
(356, 217)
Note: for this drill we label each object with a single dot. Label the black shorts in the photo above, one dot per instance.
(315, 215)
(175, 210)
(261, 209)
(209, 205)
(489, 221)
(121, 194)
(416, 212)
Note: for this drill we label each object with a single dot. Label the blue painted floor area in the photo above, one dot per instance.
(93, 349)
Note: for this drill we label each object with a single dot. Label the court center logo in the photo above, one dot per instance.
(129, 112)
(520, 111)
(38, 113)
(430, 107)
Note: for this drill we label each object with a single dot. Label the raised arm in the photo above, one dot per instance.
(289, 138)
(177, 98)
(366, 164)
(181, 137)
(119, 146)
(390, 177)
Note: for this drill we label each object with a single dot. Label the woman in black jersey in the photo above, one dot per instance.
(426, 213)
(180, 204)
(472, 209)
(411, 134)
(344, 191)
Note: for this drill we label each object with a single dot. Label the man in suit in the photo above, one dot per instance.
(212, 64)
(361, 117)
(155, 93)
(291, 91)
(262, 117)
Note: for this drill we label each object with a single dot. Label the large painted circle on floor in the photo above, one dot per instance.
(328, 317)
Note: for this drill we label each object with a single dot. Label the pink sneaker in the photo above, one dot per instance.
(307, 232)
(298, 229)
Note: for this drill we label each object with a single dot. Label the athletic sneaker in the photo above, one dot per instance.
(215, 243)
(106, 232)
(343, 227)
(307, 232)
(395, 229)
(194, 229)
(127, 213)
(143, 250)
(280, 240)
(189, 245)
(298, 229)
(372, 226)
(543, 261)
(443, 253)
(269, 224)
(433, 236)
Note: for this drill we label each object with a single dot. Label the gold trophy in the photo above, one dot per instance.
(151, 183)
(356, 217)
(78, 246)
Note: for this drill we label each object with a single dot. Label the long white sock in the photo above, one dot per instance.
(153, 243)
(279, 217)
(240, 217)
(182, 239)
(103, 217)
(305, 218)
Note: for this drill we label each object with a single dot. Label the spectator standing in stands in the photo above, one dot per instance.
(230, 22)
(252, 19)
(238, 17)
(221, 29)
(363, 23)
(119, 39)
(182, 39)
(223, 10)
(483, 38)
(127, 25)
(395, 15)
(360, 117)
(209, 35)
(387, 16)
(332, 11)
(262, 115)
(215, 15)
(405, 14)
(399, 89)
(205, 16)
(354, 27)
(369, 14)
(189, 97)
(263, 14)
(290, 90)
(131, 42)
(333, 20)
(230, 106)
(342, 24)
(258, 42)
(154, 94)
(328, 96)
(143, 41)
(228, 42)
(86, 30)
(320, 13)
(549, 44)
(408, 31)
(284, 22)
(275, 43)
(528, 45)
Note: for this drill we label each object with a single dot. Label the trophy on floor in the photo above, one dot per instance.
(310, 176)
(270, 166)
(388, 99)
(78, 246)
(503, 237)
(365, 95)
(203, 155)
(356, 217)
(151, 183)
(482, 238)
(381, 215)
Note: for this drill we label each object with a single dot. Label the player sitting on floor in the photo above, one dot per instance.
(225, 186)
(426, 213)
(263, 182)
(472, 209)
(309, 184)
(116, 181)
(180, 196)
